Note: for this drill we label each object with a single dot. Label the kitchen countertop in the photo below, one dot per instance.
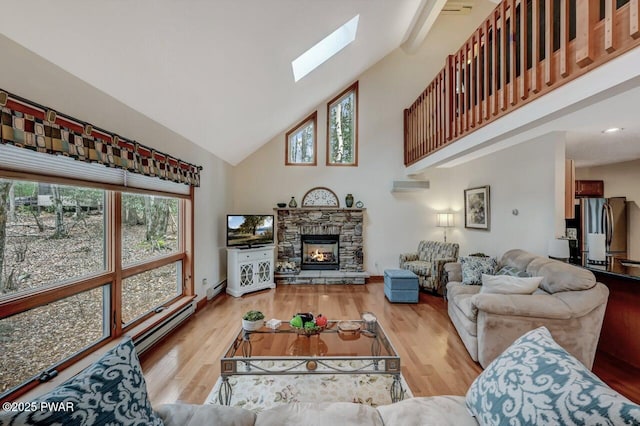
(617, 269)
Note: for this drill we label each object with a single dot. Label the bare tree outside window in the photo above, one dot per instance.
(342, 128)
(300, 143)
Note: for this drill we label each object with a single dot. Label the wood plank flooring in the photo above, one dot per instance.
(185, 366)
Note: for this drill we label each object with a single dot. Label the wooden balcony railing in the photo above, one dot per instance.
(498, 69)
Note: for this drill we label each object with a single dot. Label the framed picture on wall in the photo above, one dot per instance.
(476, 208)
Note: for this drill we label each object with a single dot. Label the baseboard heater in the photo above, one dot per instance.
(145, 341)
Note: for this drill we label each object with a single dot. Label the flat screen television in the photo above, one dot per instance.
(249, 230)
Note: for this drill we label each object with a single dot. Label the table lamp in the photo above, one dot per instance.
(444, 220)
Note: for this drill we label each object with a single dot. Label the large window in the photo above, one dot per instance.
(80, 265)
(342, 128)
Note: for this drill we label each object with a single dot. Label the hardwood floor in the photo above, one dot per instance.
(185, 366)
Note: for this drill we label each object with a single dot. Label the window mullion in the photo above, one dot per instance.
(114, 247)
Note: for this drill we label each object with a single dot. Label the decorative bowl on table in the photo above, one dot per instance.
(308, 331)
(304, 323)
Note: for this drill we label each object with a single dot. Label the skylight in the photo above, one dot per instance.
(325, 49)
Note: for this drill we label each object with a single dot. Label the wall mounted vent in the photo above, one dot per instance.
(409, 185)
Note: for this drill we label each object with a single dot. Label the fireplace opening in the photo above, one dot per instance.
(320, 252)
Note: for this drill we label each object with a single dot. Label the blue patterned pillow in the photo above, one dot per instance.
(110, 392)
(473, 267)
(512, 271)
(536, 382)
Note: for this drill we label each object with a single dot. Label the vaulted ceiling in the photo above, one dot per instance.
(217, 72)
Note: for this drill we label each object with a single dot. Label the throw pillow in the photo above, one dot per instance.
(111, 391)
(512, 271)
(473, 268)
(506, 284)
(537, 382)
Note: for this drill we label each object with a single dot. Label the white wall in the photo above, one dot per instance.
(522, 177)
(621, 180)
(33, 78)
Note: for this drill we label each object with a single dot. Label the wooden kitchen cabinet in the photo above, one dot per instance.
(589, 188)
(569, 193)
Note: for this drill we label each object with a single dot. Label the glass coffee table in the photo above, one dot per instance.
(334, 350)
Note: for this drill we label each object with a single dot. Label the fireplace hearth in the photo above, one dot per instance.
(320, 252)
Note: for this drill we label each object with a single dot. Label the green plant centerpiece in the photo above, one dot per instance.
(305, 323)
(252, 320)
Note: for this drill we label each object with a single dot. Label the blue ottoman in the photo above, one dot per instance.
(401, 286)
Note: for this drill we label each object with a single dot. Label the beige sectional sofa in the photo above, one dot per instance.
(569, 302)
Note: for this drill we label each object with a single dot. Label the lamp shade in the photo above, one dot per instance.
(559, 248)
(444, 220)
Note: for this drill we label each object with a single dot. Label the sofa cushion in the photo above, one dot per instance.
(518, 259)
(473, 267)
(319, 414)
(535, 381)
(507, 284)
(110, 391)
(427, 411)
(512, 271)
(561, 276)
(207, 414)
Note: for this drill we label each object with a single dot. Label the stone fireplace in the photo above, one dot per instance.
(320, 252)
(335, 233)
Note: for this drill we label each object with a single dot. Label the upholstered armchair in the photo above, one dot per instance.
(428, 263)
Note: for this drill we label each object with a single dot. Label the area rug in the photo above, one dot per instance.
(257, 393)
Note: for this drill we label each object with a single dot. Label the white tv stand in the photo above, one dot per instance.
(249, 269)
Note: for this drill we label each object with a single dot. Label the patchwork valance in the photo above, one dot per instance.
(34, 127)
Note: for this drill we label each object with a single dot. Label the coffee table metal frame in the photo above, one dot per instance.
(238, 359)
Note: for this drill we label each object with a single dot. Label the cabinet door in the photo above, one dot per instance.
(589, 188)
(263, 272)
(247, 274)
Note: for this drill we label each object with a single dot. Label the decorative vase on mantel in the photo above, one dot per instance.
(348, 200)
(293, 203)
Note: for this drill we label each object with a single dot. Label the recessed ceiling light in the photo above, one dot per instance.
(325, 49)
(613, 130)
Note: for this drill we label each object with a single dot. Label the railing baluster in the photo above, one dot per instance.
(464, 87)
(422, 123)
(634, 18)
(477, 99)
(485, 73)
(564, 37)
(495, 65)
(504, 38)
(449, 97)
(472, 83)
(434, 116)
(459, 93)
(513, 22)
(524, 72)
(439, 114)
(535, 45)
(609, 8)
(586, 17)
(548, 42)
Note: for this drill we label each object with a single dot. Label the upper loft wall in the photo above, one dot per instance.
(30, 76)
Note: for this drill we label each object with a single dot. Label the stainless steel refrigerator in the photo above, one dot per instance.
(606, 216)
